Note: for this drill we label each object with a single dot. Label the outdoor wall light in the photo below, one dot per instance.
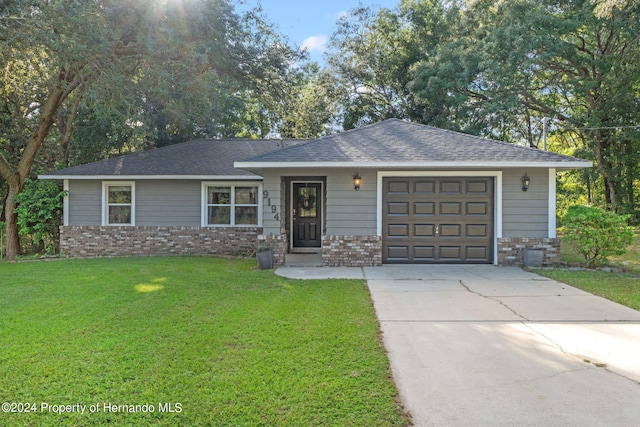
(525, 182)
(357, 180)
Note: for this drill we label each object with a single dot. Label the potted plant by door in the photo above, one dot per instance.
(264, 254)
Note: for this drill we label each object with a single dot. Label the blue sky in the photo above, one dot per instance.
(309, 23)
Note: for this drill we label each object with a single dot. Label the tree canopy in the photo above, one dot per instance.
(81, 78)
(501, 69)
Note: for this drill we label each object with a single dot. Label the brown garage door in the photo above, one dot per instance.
(437, 220)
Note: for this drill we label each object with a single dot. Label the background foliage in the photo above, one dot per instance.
(40, 213)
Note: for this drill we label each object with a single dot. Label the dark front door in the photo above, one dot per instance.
(307, 215)
(437, 220)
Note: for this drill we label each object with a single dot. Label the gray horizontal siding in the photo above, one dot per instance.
(273, 185)
(525, 213)
(164, 203)
(158, 203)
(85, 202)
(347, 211)
(351, 212)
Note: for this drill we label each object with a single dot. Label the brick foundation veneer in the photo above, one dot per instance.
(351, 251)
(93, 241)
(279, 245)
(511, 250)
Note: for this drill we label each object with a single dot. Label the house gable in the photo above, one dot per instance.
(398, 144)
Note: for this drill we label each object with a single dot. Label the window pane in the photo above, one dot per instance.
(247, 215)
(219, 215)
(119, 214)
(246, 195)
(219, 195)
(119, 194)
(307, 202)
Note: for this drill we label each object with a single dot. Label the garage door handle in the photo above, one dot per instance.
(437, 229)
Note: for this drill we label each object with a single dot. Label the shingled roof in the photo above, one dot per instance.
(203, 158)
(397, 143)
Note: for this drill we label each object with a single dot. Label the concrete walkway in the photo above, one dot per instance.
(485, 345)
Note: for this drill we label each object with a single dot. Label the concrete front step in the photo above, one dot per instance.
(303, 260)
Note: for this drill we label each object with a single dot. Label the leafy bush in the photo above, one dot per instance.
(39, 212)
(596, 233)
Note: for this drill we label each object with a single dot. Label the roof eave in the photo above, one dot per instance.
(560, 165)
(158, 177)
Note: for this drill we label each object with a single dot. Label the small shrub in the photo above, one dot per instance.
(596, 233)
(39, 212)
(263, 246)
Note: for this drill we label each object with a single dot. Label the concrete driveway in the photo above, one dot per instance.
(485, 345)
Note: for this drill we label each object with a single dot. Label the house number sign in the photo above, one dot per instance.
(274, 208)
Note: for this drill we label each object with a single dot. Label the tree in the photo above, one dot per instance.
(310, 109)
(523, 60)
(371, 55)
(140, 69)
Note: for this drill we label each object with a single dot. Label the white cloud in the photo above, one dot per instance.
(317, 43)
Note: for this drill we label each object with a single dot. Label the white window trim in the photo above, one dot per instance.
(233, 184)
(105, 202)
(497, 195)
(552, 203)
(65, 203)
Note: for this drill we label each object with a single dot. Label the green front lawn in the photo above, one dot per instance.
(621, 287)
(213, 340)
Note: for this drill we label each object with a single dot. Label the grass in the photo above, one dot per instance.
(222, 343)
(621, 287)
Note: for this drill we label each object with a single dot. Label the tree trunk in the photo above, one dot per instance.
(11, 218)
(66, 126)
(604, 167)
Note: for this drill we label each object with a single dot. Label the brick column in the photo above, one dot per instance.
(511, 250)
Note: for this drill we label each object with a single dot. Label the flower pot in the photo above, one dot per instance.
(265, 260)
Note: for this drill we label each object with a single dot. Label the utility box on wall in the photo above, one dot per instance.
(533, 257)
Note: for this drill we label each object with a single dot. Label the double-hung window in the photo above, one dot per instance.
(118, 203)
(231, 204)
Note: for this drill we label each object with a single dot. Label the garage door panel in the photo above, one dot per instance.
(450, 230)
(450, 208)
(399, 187)
(423, 253)
(398, 230)
(425, 186)
(398, 208)
(424, 230)
(424, 208)
(477, 186)
(476, 253)
(450, 253)
(440, 219)
(451, 186)
(477, 208)
(397, 253)
(477, 230)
